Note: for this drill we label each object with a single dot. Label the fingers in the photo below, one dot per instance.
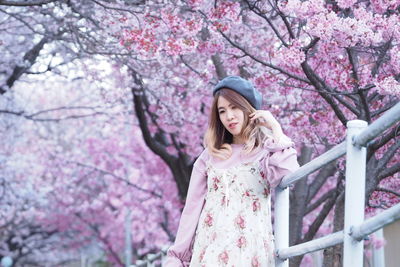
(267, 119)
(260, 114)
(254, 116)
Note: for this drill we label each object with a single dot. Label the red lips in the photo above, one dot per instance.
(232, 125)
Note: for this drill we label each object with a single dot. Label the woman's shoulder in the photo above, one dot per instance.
(206, 157)
(203, 157)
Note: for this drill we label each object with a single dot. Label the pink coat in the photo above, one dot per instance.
(278, 160)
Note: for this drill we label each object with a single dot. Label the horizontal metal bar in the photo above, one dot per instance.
(374, 223)
(329, 156)
(373, 130)
(310, 246)
(367, 227)
(150, 258)
(379, 126)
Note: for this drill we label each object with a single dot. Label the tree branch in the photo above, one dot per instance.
(101, 238)
(387, 156)
(117, 8)
(122, 179)
(286, 22)
(389, 171)
(320, 218)
(326, 172)
(346, 104)
(384, 108)
(386, 190)
(30, 57)
(138, 99)
(219, 66)
(353, 62)
(311, 44)
(365, 114)
(25, 2)
(298, 199)
(258, 12)
(382, 140)
(263, 62)
(382, 53)
(34, 115)
(321, 200)
(321, 86)
(188, 66)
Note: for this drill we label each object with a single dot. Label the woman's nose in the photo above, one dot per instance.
(230, 115)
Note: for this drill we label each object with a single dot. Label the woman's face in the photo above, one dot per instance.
(231, 116)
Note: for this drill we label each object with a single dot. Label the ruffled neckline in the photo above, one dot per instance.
(236, 145)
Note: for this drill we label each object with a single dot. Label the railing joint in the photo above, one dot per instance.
(353, 234)
(278, 256)
(351, 231)
(355, 144)
(371, 143)
(284, 187)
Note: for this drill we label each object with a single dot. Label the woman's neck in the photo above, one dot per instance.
(238, 140)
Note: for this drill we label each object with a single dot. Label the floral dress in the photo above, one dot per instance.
(234, 227)
(226, 220)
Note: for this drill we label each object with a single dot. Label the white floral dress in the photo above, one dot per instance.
(234, 227)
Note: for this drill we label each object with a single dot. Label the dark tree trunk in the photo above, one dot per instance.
(333, 256)
(298, 204)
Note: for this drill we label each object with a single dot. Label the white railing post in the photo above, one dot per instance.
(354, 195)
(378, 255)
(281, 223)
(355, 228)
(128, 238)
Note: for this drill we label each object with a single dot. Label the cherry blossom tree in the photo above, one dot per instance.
(317, 63)
(341, 57)
(87, 166)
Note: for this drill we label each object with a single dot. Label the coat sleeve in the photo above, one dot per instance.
(180, 253)
(280, 160)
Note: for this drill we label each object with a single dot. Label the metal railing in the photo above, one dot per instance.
(355, 228)
(151, 259)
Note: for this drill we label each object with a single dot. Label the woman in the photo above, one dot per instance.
(226, 220)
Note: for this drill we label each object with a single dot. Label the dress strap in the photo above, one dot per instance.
(208, 164)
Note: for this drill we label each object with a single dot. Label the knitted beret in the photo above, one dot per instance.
(243, 87)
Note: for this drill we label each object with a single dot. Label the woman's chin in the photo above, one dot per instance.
(235, 134)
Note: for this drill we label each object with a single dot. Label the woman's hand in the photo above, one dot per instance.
(268, 120)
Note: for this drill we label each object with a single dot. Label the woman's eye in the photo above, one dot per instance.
(221, 112)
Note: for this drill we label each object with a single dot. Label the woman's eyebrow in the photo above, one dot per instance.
(230, 105)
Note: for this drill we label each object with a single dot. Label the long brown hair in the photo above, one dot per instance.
(217, 139)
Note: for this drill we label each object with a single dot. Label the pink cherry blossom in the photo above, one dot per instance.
(94, 167)
(388, 86)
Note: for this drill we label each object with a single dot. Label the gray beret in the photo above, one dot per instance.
(243, 87)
